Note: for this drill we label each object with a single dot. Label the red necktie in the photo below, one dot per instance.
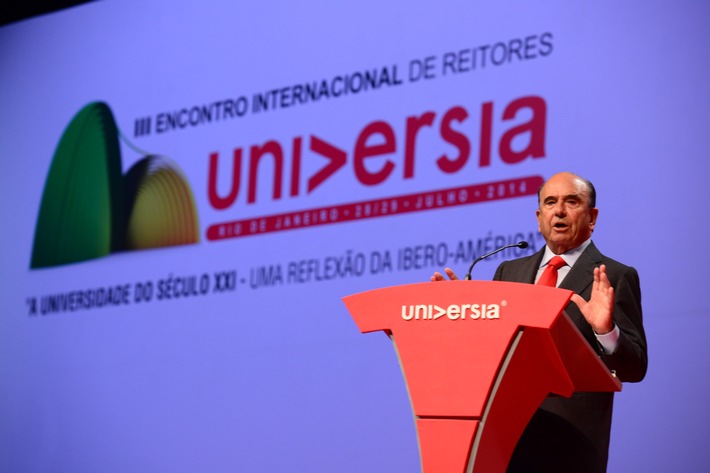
(549, 275)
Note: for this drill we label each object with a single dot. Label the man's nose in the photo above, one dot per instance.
(560, 208)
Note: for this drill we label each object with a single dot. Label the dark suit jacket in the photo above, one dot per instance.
(572, 434)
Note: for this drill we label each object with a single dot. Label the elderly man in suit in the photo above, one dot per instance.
(572, 435)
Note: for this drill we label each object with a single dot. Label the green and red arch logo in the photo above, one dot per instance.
(89, 209)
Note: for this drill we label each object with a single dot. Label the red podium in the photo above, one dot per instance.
(478, 358)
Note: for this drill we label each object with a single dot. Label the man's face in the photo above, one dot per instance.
(564, 217)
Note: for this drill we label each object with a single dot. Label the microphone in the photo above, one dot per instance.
(520, 244)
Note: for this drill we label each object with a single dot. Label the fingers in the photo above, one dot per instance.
(437, 276)
(601, 281)
(603, 278)
(581, 303)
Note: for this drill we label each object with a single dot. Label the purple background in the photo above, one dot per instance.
(278, 378)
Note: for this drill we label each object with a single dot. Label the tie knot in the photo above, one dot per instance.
(557, 262)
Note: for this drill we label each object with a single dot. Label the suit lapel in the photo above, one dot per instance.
(581, 276)
(528, 270)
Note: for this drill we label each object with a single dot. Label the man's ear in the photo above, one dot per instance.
(593, 214)
(537, 217)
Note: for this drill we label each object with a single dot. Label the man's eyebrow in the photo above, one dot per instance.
(564, 197)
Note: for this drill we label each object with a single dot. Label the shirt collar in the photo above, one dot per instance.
(570, 257)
